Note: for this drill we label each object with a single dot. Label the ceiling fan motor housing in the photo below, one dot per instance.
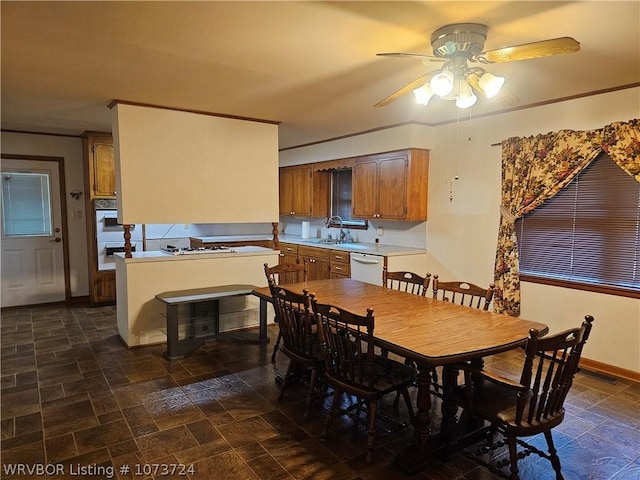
(459, 39)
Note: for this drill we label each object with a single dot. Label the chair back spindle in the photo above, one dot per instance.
(463, 293)
(346, 340)
(549, 368)
(408, 282)
(286, 273)
(294, 320)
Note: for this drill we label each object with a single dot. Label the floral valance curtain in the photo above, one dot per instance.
(534, 169)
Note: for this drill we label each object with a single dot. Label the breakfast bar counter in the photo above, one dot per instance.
(142, 318)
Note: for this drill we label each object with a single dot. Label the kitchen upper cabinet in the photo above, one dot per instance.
(100, 170)
(391, 186)
(304, 192)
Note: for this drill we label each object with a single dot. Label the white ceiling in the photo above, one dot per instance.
(310, 65)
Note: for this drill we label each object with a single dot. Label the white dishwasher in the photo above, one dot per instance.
(367, 268)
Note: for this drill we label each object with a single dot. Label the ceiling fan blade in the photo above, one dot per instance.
(418, 82)
(526, 51)
(505, 98)
(425, 58)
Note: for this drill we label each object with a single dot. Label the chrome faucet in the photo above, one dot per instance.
(337, 217)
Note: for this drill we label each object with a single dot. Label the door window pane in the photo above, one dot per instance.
(26, 204)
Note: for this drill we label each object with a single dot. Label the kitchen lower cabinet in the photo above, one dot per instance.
(318, 262)
(340, 264)
(288, 256)
(322, 263)
(104, 287)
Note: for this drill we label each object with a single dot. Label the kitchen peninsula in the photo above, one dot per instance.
(179, 167)
(141, 317)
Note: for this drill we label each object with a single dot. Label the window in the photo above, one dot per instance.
(341, 199)
(26, 204)
(588, 235)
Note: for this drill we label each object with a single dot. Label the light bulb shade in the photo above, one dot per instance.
(491, 84)
(442, 83)
(423, 94)
(466, 101)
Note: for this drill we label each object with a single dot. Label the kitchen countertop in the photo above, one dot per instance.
(160, 256)
(233, 238)
(370, 248)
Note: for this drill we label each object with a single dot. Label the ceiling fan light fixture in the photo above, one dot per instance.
(466, 101)
(423, 94)
(442, 83)
(491, 84)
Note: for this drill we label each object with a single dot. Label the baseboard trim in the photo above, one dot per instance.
(607, 369)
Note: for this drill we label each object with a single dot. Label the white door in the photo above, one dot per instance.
(32, 248)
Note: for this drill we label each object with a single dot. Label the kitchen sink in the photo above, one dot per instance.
(325, 241)
(355, 246)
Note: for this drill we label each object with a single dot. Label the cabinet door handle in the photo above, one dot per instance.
(339, 257)
(338, 268)
(312, 260)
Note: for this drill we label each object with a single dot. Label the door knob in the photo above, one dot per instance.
(57, 240)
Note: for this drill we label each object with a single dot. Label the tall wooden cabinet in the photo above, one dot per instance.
(100, 182)
(391, 186)
(303, 192)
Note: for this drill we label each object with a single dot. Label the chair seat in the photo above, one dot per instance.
(388, 375)
(308, 358)
(495, 402)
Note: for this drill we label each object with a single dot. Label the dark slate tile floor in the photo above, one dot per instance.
(73, 398)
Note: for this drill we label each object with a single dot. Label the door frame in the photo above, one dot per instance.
(63, 212)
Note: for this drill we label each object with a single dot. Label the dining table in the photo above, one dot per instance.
(427, 331)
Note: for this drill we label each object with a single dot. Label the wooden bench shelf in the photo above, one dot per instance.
(203, 320)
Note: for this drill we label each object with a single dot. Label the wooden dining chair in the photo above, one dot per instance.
(532, 405)
(408, 282)
(463, 293)
(280, 275)
(299, 339)
(351, 365)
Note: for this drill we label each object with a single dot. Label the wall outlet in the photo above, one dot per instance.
(380, 231)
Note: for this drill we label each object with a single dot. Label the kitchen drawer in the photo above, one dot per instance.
(288, 248)
(341, 269)
(338, 256)
(314, 252)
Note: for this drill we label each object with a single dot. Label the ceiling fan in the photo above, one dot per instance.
(460, 44)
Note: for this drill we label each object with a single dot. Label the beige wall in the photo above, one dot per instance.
(468, 222)
(182, 167)
(70, 148)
